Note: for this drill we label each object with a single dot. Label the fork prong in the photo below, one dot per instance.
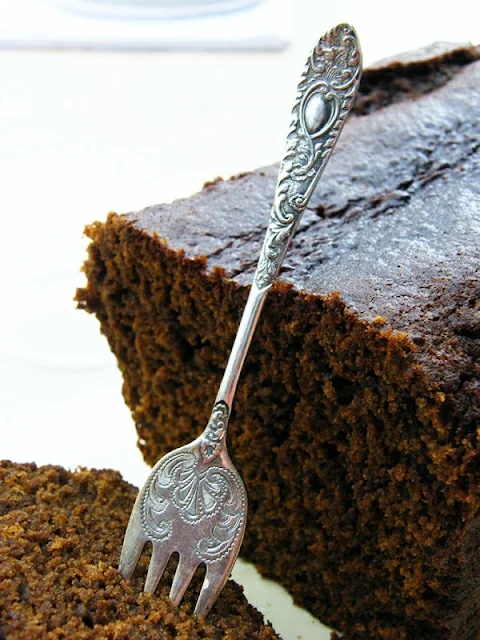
(215, 579)
(183, 575)
(158, 562)
(133, 544)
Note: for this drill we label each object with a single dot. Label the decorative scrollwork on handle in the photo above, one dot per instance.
(325, 96)
(213, 438)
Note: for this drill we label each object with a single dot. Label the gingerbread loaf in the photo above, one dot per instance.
(356, 421)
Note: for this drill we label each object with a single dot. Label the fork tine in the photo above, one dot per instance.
(215, 579)
(158, 562)
(183, 575)
(133, 544)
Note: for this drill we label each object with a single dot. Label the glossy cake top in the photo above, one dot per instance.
(394, 223)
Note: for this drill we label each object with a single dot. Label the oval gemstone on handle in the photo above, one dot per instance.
(317, 112)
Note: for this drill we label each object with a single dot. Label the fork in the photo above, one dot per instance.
(194, 502)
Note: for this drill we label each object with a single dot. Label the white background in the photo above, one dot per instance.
(83, 133)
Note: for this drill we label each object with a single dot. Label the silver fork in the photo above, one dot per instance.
(194, 502)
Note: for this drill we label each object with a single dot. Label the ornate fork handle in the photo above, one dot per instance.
(326, 93)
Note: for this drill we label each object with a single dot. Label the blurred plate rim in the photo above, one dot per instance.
(162, 10)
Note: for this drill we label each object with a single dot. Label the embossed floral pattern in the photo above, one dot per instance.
(214, 496)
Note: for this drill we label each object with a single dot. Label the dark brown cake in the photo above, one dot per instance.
(60, 538)
(356, 422)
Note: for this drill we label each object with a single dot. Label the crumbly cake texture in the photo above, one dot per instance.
(355, 425)
(60, 539)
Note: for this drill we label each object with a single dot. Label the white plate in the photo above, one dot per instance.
(230, 25)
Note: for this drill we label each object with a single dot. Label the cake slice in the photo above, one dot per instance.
(60, 539)
(356, 422)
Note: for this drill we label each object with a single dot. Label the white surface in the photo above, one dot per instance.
(73, 24)
(85, 133)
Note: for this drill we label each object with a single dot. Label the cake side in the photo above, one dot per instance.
(60, 537)
(355, 421)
